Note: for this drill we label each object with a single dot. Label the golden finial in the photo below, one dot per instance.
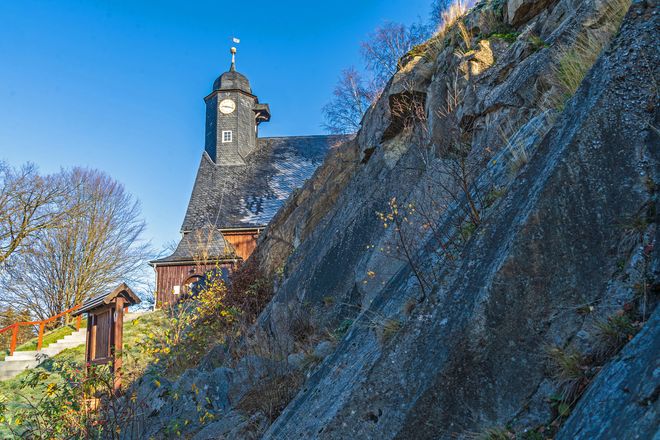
(233, 59)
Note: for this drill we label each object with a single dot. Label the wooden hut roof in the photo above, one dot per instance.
(101, 300)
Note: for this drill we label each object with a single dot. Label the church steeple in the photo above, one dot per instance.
(233, 114)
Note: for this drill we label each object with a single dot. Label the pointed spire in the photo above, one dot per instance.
(233, 60)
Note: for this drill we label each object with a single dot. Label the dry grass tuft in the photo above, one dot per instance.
(449, 17)
(515, 146)
(493, 433)
(614, 333)
(574, 61)
(570, 370)
(390, 328)
(466, 36)
(272, 395)
(456, 10)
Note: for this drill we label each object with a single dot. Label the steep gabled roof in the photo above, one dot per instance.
(247, 196)
(206, 243)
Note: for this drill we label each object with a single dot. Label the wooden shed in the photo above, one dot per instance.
(105, 328)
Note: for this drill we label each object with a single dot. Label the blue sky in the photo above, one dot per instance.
(119, 85)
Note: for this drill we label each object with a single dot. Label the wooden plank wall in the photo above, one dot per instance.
(243, 242)
(170, 276)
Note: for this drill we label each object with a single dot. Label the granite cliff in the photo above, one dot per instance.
(481, 261)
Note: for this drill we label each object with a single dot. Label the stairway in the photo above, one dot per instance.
(24, 360)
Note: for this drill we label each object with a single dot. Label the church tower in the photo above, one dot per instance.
(242, 181)
(233, 115)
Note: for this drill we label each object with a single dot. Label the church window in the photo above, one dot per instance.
(226, 136)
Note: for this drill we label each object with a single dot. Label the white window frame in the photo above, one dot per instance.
(226, 139)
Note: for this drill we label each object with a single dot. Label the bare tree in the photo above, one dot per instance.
(438, 7)
(87, 255)
(29, 203)
(385, 47)
(381, 53)
(351, 99)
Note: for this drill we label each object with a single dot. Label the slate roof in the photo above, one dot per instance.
(232, 80)
(246, 196)
(199, 244)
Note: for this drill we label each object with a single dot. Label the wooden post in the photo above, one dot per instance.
(14, 337)
(40, 340)
(78, 322)
(88, 346)
(118, 343)
(92, 336)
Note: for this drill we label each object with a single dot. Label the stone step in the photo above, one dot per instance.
(61, 347)
(67, 340)
(22, 355)
(76, 335)
(18, 365)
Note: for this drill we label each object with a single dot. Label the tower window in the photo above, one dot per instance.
(226, 136)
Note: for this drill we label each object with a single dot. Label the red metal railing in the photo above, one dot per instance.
(42, 326)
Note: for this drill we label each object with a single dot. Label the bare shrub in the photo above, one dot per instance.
(456, 190)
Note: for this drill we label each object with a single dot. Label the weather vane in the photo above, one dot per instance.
(233, 50)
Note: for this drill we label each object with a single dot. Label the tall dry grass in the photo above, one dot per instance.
(448, 18)
(575, 60)
(456, 10)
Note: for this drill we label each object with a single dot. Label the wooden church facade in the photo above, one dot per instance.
(241, 182)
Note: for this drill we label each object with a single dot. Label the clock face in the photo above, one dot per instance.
(227, 106)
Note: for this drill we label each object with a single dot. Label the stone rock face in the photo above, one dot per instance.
(520, 11)
(470, 356)
(566, 234)
(622, 402)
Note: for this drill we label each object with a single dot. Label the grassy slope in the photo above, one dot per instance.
(50, 337)
(135, 335)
